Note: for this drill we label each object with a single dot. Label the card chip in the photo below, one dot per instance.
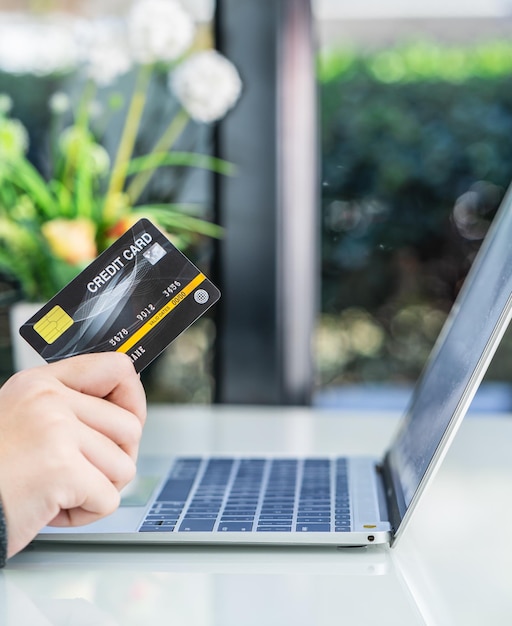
(53, 324)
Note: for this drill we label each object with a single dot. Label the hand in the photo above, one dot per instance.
(69, 438)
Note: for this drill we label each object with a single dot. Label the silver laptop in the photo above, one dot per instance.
(324, 500)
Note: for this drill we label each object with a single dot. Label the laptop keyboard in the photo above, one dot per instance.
(252, 495)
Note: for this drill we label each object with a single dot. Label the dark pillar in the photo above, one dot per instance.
(267, 262)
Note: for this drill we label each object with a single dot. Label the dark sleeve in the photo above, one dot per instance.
(3, 537)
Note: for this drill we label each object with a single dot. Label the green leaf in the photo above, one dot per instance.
(185, 159)
(24, 175)
(84, 187)
(170, 217)
(63, 198)
(8, 195)
(25, 257)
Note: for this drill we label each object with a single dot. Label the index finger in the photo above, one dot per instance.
(108, 375)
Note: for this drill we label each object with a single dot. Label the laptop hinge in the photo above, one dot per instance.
(393, 493)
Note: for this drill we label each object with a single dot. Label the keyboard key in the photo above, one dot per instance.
(313, 508)
(276, 522)
(313, 528)
(240, 512)
(342, 524)
(176, 490)
(235, 527)
(197, 525)
(314, 520)
(317, 513)
(162, 522)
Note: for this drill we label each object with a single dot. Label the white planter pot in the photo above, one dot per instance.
(24, 356)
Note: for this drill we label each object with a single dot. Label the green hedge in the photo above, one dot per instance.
(404, 133)
(419, 61)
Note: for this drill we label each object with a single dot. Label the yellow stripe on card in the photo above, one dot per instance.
(161, 314)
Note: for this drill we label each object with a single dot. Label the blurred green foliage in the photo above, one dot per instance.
(419, 61)
(416, 155)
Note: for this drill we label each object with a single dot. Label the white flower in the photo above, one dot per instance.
(59, 103)
(159, 30)
(5, 103)
(37, 46)
(108, 55)
(13, 139)
(76, 144)
(207, 85)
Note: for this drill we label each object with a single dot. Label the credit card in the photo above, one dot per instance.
(136, 298)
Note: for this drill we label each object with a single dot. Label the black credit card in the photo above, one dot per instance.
(136, 298)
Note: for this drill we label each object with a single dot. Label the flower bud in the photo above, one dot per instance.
(207, 85)
(72, 241)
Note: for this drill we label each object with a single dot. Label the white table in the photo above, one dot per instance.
(453, 566)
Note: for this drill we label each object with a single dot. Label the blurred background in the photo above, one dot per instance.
(410, 159)
(415, 106)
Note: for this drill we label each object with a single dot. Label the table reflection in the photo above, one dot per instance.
(204, 586)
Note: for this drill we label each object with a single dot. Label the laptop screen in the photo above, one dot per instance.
(458, 362)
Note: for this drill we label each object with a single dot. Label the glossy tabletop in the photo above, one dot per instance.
(453, 565)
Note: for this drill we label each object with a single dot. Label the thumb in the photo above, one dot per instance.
(108, 375)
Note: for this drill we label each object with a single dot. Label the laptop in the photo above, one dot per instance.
(355, 501)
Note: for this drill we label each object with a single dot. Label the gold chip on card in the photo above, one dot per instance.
(53, 324)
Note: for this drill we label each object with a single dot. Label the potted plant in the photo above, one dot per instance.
(53, 224)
